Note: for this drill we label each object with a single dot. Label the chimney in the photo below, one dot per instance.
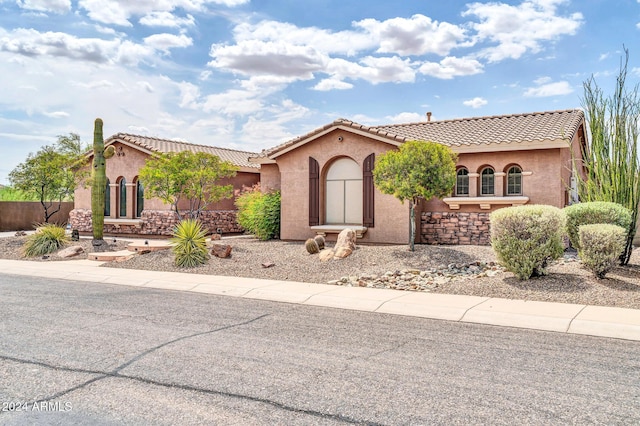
(429, 116)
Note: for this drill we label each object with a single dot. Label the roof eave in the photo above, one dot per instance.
(391, 140)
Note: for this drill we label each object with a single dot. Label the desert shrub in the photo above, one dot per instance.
(600, 246)
(189, 244)
(592, 213)
(259, 213)
(526, 238)
(47, 239)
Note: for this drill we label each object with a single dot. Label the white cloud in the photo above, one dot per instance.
(31, 43)
(518, 29)
(332, 84)
(255, 57)
(119, 12)
(340, 42)
(406, 117)
(542, 80)
(165, 41)
(55, 6)
(166, 19)
(451, 67)
(549, 89)
(475, 102)
(233, 102)
(418, 35)
(55, 114)
(372, 69)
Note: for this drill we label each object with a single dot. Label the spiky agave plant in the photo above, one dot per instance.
(47, 239)
(189, 244)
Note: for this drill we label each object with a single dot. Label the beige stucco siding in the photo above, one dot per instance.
(391, 217)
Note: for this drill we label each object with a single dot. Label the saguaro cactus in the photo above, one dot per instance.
(99, 182)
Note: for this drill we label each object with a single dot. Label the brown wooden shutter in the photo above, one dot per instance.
(368, 189)
(314, 192)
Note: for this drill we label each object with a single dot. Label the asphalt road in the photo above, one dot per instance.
(87, 353)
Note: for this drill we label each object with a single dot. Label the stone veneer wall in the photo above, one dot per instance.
(158, 222)
(454, 228)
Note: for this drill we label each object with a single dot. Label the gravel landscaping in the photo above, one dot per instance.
(469, 270)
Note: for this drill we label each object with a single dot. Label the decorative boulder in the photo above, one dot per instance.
(221, 250)
(70, 252)
(326, 254)
(342, 252)
(215, 237)
(346, 238)
(346, 244)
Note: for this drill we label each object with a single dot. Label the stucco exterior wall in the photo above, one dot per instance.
(269, 177)
(391, 217)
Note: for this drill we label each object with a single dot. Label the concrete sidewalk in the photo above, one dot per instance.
(564, 318)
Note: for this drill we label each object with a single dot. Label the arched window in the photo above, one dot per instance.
(107, 199)
(487, 181)
(514, 181)
(462, 182)
(344, 192)
(122, 197)
(139, 198)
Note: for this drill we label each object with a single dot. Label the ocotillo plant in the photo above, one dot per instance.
(99, 182)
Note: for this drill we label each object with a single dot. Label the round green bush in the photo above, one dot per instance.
(601, 245)
(593, 213)
(526, 238)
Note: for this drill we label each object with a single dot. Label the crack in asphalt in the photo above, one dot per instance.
(116, 373)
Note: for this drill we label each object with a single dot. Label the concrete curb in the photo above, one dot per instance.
(563, 318)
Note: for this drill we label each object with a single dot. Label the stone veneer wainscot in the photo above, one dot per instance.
(454, 228)
(155, 222)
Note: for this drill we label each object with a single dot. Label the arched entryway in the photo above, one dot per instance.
(343, 187)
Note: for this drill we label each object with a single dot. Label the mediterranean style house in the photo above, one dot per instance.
(326, 181)
(128, 211)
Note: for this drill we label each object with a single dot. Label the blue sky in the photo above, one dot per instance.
(250, 74)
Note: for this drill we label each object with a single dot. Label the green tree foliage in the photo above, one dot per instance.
(51, 175)
(526, 238)
(611, 160)
(259, 213)
(189, 176)
(418, 170)
(8, 193)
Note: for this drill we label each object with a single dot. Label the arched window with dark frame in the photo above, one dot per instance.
(139, 197)
(514, 181)
(462, 182)
(107, 199)
(487, 181)
(122, 197)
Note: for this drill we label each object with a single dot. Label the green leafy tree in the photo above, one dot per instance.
(611, 159)
(173, 177)
(418, 170)
(51, 174)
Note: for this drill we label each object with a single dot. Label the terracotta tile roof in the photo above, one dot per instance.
(475, 131)
(238, 158)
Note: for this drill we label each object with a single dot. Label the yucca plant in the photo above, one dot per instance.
(189, 244)
(47, 239)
